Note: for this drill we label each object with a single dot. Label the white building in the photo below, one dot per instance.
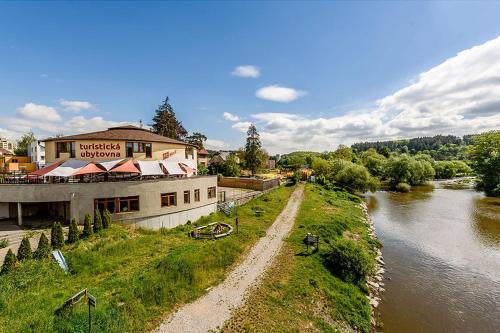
(36, 152)
(6, 144)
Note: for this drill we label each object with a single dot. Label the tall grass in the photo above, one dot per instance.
(137, 276)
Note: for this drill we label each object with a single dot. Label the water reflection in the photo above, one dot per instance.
(442, 250)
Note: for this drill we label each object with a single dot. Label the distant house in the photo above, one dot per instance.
(36, 153)
(221, 156)
(203, 157)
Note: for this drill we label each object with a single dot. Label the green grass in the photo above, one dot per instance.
(286, 301)
(137, 276)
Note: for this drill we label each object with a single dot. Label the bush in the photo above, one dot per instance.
(43, 249)
(106, 219)
(4, 243)
(355, 178)
(87, 226)
(403, 187)
(97, 221)
(73, 233)
(349, 261)
(9, 263)
(24, 251)
(56, 236)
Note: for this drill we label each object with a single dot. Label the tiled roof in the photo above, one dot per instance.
(129, 132)
(202, 152)
(5, 152)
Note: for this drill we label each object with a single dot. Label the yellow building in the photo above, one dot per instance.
(116, 143)
(10, 163)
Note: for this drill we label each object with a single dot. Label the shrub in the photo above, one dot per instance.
(4, 243)
(296, 177)
(9, 263)
(87, 226)
(106, 219)
(403, 187)
(24, 251)
(355, 178)
(349, 261)
(97, 221)
(73, 233)
(43, 249)
(56, 236)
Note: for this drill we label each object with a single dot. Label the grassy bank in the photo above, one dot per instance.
(137, 276)
(288, 300)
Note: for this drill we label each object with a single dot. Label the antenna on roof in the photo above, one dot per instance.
(140, 123)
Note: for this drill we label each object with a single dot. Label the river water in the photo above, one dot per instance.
(441, 246)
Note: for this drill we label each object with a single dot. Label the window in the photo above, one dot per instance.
(197, 195)
(187, 197)
(129, 204)
(169, 199)
(212, 192)
(138, 147)
(103, 204)
(65, 147)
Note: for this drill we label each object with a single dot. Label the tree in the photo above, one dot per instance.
(106, 219)
(24, 251)
(165, 123)
(73, 233)
(374, 162)
(485, 155)
(23, 144)
(9, 263)
(97, 221)
(56, 236)
(355, 178)
(87, 226)
(343, 153)
(252, 150)
(406, 169)
(43, 249)
(197, 139)
(230, 167)
(322, 167)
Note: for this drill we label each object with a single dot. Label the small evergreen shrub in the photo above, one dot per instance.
(9, 263)
(4, 243)
(43, 249)
(87, 226)
(73, 233)
(349, 261)
(24, 251)
(97, 221)
(106, 219)
(56, 236)
(403, 187)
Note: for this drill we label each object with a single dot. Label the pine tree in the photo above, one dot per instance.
(24, 251)
(253, 156)
(165, 123)
(197, 139)
(97, 221)
(73, 232)
(9, 263)
(43, 249)
(106, 221)
(87, 226)
(56, 236)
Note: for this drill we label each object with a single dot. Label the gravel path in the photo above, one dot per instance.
(209, 312)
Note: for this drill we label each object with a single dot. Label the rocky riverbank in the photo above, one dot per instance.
(375, 282)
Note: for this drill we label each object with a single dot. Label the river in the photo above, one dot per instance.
(441, 247)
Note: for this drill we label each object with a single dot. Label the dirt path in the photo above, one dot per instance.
(209, 312)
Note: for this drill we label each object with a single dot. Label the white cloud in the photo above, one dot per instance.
(231, 117)
(246, 71)
(38, 112)
(459, 96)
(242, 126)
(278, 93)
(75, 106)
(216, 144)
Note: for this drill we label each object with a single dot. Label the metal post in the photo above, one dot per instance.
(19, 214)
(237, 226)
(90, 319)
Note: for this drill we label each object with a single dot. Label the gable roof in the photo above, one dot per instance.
(5, 152)
(128, 132)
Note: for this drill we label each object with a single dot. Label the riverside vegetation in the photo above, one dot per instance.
(138, 276)
(322, 291)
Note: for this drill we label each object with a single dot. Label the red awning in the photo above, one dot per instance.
(127, 167)
(47, 169)
(88, 169)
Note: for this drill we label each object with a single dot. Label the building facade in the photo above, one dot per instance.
(36, 153)
(8, 145)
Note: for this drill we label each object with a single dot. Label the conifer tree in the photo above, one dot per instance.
(87, 226)
(9, 263)
(106, 221)
(165, 123)
(97, 221)
(43, 249)
(253, 156)
(73, 232)
(56, 236)
(24, 251)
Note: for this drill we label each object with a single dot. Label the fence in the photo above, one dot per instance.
(248, 183)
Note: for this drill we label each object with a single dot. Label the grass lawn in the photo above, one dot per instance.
(287, 301)
(137, 276)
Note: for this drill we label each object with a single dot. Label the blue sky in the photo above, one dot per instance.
(324, 73)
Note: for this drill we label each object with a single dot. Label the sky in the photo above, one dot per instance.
(309, 75)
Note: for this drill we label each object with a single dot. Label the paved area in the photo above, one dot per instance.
(210, 311)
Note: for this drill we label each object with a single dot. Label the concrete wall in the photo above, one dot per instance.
(248, 183)
(82, 196)
(4, 210)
